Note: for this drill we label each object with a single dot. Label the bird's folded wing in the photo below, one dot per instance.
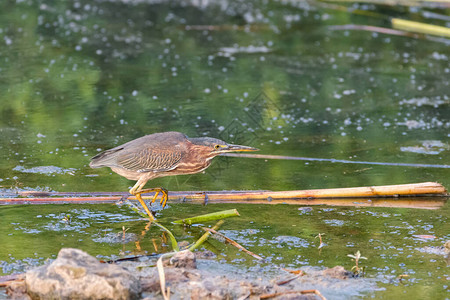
(150, 160)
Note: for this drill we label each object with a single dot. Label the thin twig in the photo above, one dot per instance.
(284, 281)
(8, 279)
(296, 272)
(267, 296)
(235, 244)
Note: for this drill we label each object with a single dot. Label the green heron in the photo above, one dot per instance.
(161, 154)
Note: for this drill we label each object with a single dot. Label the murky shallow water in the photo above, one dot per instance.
(395, 241)
(84, 76)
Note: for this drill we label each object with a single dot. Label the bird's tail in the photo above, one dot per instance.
(104, 159)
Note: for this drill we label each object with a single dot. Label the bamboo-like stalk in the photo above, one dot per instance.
(425, 188)
(357, 196)
(209, 217)
(418, 27)
(376, 196)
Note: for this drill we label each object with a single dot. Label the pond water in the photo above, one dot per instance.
(79, 77)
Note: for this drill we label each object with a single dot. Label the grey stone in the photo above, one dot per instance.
(338, 272)
(77, 275)
(184, 259)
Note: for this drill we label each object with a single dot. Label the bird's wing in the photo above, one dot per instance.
(150, 159)
(156, 152)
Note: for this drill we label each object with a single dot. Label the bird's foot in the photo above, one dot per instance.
(157, 191)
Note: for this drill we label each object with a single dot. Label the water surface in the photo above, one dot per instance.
(81, 77)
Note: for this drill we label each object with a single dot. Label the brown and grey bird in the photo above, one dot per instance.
(162, 154)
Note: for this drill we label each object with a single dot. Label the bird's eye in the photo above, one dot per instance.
(217, 147)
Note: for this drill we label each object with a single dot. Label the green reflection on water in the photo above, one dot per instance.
(81, 77)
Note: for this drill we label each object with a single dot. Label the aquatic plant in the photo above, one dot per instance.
(356, 257)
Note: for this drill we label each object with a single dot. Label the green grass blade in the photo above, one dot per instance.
(205, 236)
(209, 217)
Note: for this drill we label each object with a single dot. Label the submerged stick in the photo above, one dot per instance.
(136, 209)
(209, 217)
(234, 243)
(334, 160)
(382, 30)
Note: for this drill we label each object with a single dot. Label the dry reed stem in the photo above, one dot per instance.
(162, 279)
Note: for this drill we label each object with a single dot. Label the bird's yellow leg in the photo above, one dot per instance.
(135, 191)
(149, 213)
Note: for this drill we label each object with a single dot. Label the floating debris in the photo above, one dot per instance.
(115, 238)
(443, 250)
(46, 170)
(424, 236)
(430, 101)
(227, 51)
(428, 147)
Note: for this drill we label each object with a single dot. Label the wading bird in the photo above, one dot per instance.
(162, 154)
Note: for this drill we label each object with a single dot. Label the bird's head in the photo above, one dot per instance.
(216, 147)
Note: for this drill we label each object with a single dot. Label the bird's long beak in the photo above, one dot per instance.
(236, 148)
